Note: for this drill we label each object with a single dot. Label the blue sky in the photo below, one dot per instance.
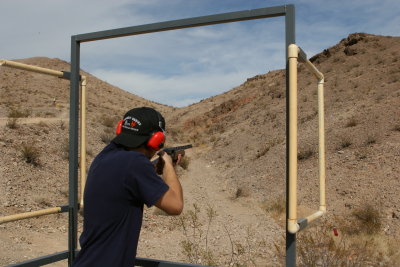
(183, 66)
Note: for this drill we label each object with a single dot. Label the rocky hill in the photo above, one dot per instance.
(238, 164)
(244, 129)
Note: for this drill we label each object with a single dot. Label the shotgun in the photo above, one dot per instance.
(173, 152)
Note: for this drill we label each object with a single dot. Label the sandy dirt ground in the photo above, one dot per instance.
(162, 236)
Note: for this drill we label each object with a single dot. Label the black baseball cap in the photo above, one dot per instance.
(138, 125)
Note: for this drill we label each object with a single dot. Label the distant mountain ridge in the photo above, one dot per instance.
(240, 133)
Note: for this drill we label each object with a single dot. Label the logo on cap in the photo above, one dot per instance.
(130, 123)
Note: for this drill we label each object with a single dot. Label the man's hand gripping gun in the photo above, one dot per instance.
(174, 152)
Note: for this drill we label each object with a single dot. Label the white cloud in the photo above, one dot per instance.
(193, 63)
(174, 90)
(44, 27)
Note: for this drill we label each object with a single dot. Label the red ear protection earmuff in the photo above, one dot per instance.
(119, 127)
(156, 141)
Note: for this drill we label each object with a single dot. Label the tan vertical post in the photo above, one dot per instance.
(321, 147)
(293, 226)
(60, 74)
(83, 138)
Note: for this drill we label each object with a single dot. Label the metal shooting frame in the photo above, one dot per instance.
(293, 224)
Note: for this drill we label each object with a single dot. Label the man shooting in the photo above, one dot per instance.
(120, 181)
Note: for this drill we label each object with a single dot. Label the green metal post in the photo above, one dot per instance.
(73, 151)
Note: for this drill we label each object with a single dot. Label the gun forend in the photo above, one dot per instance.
(170, 150)
(173, 151)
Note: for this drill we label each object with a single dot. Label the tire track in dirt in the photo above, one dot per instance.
(239, 222)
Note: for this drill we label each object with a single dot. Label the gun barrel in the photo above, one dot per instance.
(176, 148)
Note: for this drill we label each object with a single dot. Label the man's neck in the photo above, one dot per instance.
(147, 152)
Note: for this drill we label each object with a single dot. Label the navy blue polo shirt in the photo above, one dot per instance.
(119, 183)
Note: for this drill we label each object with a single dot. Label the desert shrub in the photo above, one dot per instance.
(276, 206)
(89, 152)
(43, 201)
(345, 141)
(64, 191)
(245, 254)
(109, 121)
(50, 114)
(351, 122)
(368, 220)
(309, 117)
(305, 154)
(396, 128)
(43, 124)
(241, 192)
(318, 246)
(195, 236)
(197, 249)
(30, 153)
(277, 92)
(371, 139)
(107, 136)
(394, 79)
(62, 125)
(362, 154)
(18, 113)
(65, 148)
(12, 123)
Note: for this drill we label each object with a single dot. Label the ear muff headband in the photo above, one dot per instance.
(157, 140)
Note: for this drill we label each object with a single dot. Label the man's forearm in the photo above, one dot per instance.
(171, 179)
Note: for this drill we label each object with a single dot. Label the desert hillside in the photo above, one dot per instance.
(235, 177)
